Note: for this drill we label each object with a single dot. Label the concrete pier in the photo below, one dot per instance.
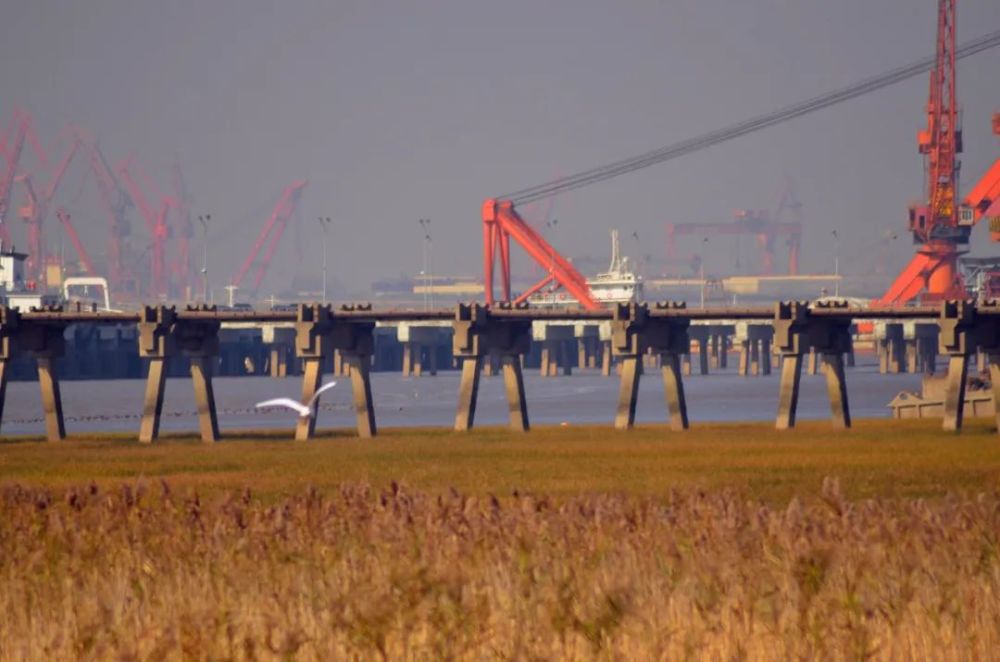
(638, 337)
(798, 331)
(634, 332)
(477, 337)
(319, 334)
(754, 344)
(161, 336)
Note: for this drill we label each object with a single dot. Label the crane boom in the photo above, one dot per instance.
(36, 210)
(274, 228)
(74, 238)
(936, 225)
(156, 223)
(12, 156)
(114, 201)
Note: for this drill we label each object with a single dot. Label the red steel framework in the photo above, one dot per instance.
(12, 146)
(941, 226)
(274, 228)
(156, 224)
(35, 209)
(74, 238)
(501, 222)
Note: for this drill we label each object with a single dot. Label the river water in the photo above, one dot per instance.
(584, 397)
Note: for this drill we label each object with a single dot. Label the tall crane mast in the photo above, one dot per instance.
(156, 223)
(937, 225)
(34, 211)
(115, 201)
(12, 155)
(185, 226)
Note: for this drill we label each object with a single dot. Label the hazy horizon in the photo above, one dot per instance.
(399, 111)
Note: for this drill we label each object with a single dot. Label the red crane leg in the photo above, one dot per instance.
(910, 281)
(793, 259)
(543, 253)
(489, 231)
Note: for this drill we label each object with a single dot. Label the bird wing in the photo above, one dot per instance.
(319, 391)
(288, 403)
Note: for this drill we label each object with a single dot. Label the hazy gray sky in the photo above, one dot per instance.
(396, 111)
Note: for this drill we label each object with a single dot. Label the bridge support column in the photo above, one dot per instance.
(634, 331)
(606, 358)
(163, 334)
(319, 334)
(361, 389)
(45, 342)
(468, 393)
(48, 381)
(963, 331)
(797, 329)
(204, 395)
(152, 402)
(480, 335)
(754, 342)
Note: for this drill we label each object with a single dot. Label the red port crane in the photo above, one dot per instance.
(501, 222)
(766, 227)
(13, 144)
(156, 224)
(81, 251)
(35, 209)
(182, 215)
(274, 228)
(941, 226)
(115, 203)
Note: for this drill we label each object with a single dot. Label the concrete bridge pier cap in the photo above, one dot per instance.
(478, 336)
(797, 330)
(634, 331)
(319, 333)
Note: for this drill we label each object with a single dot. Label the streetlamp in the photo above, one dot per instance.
(701, 268)
(204, 256)
(425, 225)
(836, 264)
(324, 224)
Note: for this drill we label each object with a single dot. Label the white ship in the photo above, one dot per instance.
(15, 291)
(619, 284)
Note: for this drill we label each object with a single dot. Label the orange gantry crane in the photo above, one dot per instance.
(941, 226)
(754, 222)
(501, 222)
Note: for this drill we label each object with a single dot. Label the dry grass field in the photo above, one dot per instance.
(727, 542)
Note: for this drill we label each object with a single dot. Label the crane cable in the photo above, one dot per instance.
(684, 147)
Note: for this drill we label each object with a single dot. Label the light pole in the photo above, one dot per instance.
(425, 225)
(701, 268)
(324, 224)
(204, 256)
(836, 264)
